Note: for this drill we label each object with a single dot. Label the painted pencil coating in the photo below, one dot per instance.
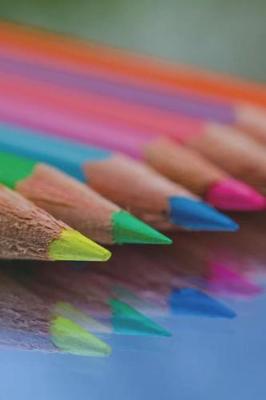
(84, 57)
(173, 103)
(183, 210)
(38, 146)
(56, 152)
(33, 108)
(121, 84)
(108, 106)
(74, 203)
(189, 116)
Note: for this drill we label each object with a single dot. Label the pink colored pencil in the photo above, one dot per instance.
(57, 50)
(41, 108)
(169, 107)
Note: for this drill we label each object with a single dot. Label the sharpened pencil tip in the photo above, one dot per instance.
(127, 320)
(195, 215)
(129, 229)
(71, 338)
(234, 195)
(191, 301)
(73, 246)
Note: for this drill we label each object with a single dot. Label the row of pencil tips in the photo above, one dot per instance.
(119, 148)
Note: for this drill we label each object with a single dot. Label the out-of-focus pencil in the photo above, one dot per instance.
(175, 109)
(73, 202)
(28, 232)
(138, 187)
(62, 51)
(91, 294)
(41, 107)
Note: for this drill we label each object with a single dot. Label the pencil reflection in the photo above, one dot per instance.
(128, 294)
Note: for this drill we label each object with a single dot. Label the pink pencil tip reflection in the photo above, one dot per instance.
(226, 280)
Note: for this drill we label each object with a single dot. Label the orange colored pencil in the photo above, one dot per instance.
(82, 56)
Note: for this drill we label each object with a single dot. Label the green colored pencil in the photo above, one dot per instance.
(74, 203)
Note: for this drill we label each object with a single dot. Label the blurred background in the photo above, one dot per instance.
(226, 35)
(221, 361)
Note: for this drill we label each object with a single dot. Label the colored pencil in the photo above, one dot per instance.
(176, 110)
(82, 56)
(251, 120)
(139, 188)
(30, 322)
(73, 202)
(28, 232)
(238, 155)
(90, 293)
(41, 108)
(182, 166)
(97, 293)
(179, 103)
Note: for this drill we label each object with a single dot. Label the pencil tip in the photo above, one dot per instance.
(71, 338)
(223, 279)
(129, 229)
(128, 320)
(198, 216)
(232, 194)
(73, 246)
(191, 301)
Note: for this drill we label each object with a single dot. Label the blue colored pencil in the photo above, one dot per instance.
(127, 182)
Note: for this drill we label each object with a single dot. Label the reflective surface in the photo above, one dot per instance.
(215, 351)
(188, 319)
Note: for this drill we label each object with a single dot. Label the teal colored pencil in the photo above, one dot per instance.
(74, 203)
(129, 183)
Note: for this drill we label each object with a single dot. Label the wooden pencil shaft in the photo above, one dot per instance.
(26, 231)
(60, 195)
(148, 193)
(22, 310)
(183, 165)
(72, 202)
(200, 175)
(237, 154)
(82, 129)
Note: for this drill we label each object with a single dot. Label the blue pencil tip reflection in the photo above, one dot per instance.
(194, 302)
